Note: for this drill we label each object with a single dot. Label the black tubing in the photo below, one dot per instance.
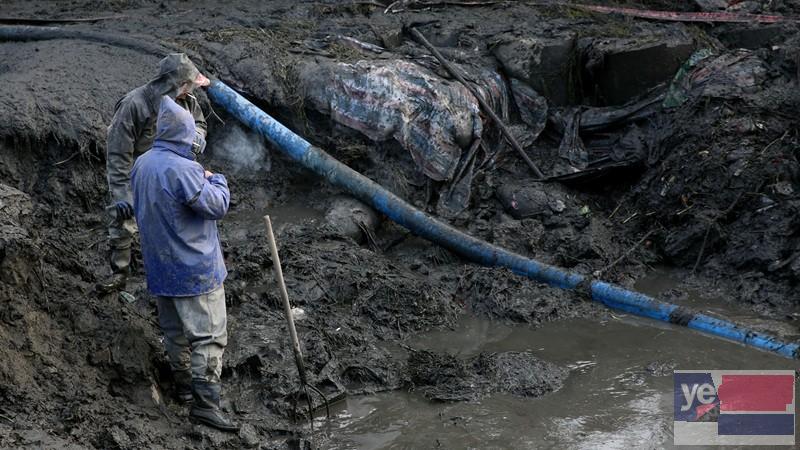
(22, 33)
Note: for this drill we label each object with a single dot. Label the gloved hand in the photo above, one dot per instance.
(199, 144)
(124, 210)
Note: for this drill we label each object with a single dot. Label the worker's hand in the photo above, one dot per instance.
(124, 210)
(208, 174)
(199, 144)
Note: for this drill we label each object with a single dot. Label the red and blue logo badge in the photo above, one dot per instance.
(719, 407)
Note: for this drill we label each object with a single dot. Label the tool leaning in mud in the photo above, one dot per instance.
(287, 309)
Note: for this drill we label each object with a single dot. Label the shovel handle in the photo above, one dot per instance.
(287, 307)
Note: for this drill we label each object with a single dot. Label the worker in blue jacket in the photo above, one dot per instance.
(177, 203)
(130, 134)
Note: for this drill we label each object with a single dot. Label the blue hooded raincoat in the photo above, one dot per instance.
(176, 209)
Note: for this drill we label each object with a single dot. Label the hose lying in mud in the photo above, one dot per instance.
(428, 227)
(39, 33)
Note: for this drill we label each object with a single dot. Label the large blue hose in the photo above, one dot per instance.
(474, 249)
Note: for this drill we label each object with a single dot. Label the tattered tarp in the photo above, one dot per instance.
(597, 139)
(433, 118)
(733, 74)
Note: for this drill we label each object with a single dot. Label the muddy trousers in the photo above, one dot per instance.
(120, 238)
(195, 333)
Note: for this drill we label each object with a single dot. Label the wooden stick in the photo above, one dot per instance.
(703, 246)
(488, 109)
(675, 16)
(287, 307)
(625, 255)
(470, 154)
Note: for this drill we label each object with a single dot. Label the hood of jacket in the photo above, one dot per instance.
(175, 128)
(173, 70)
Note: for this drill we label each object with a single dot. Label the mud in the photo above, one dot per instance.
(444, 377)
(622, 363)
(708, 186)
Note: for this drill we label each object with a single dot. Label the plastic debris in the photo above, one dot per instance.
(128, 297)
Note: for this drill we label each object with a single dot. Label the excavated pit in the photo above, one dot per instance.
(704, 178)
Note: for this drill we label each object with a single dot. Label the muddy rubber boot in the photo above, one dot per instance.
(120, 260)
(115, 283)
(206, 406)
(183, 386)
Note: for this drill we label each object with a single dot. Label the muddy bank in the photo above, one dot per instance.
(707, 184)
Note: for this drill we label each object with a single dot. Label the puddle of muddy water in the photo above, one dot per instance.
(292, 213)
(249, 222)
(609, 401)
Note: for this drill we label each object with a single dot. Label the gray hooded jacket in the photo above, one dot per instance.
(133, 126)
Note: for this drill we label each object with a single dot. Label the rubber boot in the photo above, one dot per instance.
(183, 386)
(206, 406)
(120, 259)
(116, 282)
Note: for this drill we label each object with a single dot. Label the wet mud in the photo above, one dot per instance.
(688, 163)
(623, 363)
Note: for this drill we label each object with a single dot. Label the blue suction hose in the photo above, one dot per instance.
(481, 252)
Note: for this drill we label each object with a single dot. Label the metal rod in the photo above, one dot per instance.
(488, 109)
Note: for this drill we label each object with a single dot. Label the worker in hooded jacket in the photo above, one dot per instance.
(130, 134)
(177, 203)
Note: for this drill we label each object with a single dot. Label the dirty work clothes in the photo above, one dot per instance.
(195, 333)
(131, 133)
(133, 126)
(176, 209)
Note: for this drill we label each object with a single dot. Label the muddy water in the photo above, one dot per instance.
(249, 222)
(618, 395)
